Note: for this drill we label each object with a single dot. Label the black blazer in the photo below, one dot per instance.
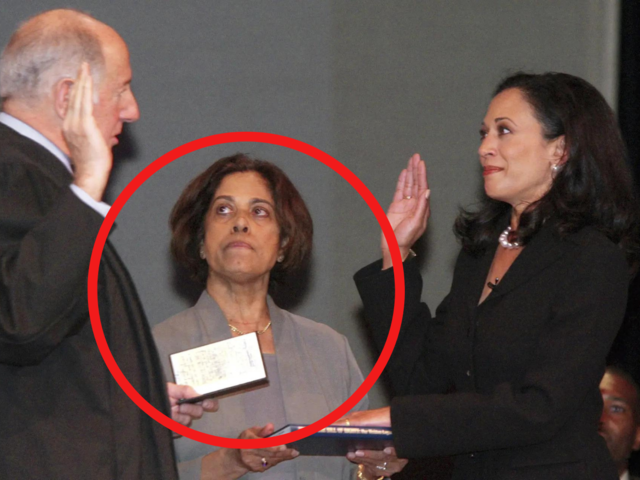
(510, 386)
(63, 415)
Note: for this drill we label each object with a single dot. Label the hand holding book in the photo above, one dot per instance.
(185, 413)
(375, 463)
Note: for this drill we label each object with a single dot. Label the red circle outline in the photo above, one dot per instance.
(232, 137)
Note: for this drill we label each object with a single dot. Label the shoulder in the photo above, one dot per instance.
(26, 165)
(593, 246)
(314, 333)
(19, 150)
(178, 332)
(312, 330)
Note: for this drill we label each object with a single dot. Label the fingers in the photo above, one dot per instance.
(87, 92)
(377, 461)
(422, 209)
(262, 459)
(398, 194)
(74, 100)
(423, 183)
(182, 419)
(179, 392)
(266, 430)
(185, 413)
(388, 454)
(379, 417)
(407, 191)
(210, 405)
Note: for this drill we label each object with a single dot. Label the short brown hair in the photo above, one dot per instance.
(187, 218)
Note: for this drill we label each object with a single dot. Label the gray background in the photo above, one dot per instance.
(369, 82)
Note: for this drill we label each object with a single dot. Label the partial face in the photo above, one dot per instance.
(515, 157)
(617, 424)
(116, 103)
(242, 235)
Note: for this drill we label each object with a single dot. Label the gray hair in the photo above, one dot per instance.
(47, 48)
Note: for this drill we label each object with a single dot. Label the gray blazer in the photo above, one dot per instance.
(317, 372)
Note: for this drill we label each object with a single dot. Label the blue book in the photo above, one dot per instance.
(339, 440)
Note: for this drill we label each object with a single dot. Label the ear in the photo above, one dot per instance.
(61, 92)
(283, 244)
(559, 153)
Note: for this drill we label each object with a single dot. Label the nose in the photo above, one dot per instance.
(130, 111)
(487, 146)
(240, 224)
(602, 422)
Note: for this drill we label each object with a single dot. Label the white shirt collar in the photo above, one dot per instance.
(625, 475)
(31, 133)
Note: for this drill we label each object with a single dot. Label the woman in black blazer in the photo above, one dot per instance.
(505, 375)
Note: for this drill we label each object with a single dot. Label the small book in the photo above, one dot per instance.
(220, 367)
(339, 440)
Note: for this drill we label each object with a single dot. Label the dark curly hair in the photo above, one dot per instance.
(187, 218)
(594, 187)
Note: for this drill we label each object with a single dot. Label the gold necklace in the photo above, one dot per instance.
(259, 332)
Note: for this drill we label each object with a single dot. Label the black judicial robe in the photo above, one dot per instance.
(63, 414)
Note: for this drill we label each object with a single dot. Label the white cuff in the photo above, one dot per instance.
(100, 207)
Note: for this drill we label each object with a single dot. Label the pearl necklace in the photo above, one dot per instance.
(506, 243)
(259, 332)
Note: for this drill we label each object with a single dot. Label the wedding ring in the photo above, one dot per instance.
(408, 197)
(347, 422)
(382, 467)
(265, 463)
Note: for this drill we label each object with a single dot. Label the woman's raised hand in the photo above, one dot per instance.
(409, 210)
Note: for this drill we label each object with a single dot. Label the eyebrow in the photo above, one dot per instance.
(505, 118)
(616, 398)
(484, 125)
(253, 201)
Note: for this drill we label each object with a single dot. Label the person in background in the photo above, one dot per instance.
(620, 421)
(237, 227)
(504, 375)
(64, 416)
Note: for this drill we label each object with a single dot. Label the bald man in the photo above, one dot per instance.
(65, 82)
(620, 420)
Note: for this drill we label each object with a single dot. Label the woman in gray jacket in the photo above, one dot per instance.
(236, 227)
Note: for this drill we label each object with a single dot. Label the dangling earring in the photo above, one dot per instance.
(280, 258)
(203, 255)
(554, 170)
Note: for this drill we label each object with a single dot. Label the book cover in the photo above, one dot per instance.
(339, 440)
(220, 367)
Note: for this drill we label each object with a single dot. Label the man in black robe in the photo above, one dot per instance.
(64, 416)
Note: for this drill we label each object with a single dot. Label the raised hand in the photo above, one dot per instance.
(90, 155)
(409, 210)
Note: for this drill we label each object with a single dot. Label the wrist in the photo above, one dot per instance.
(224, 463)
(94, 186)
(405, 254)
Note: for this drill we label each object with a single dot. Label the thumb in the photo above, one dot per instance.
(266, 430)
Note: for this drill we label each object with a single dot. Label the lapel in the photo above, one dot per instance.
(295, 375)
(544, 249)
